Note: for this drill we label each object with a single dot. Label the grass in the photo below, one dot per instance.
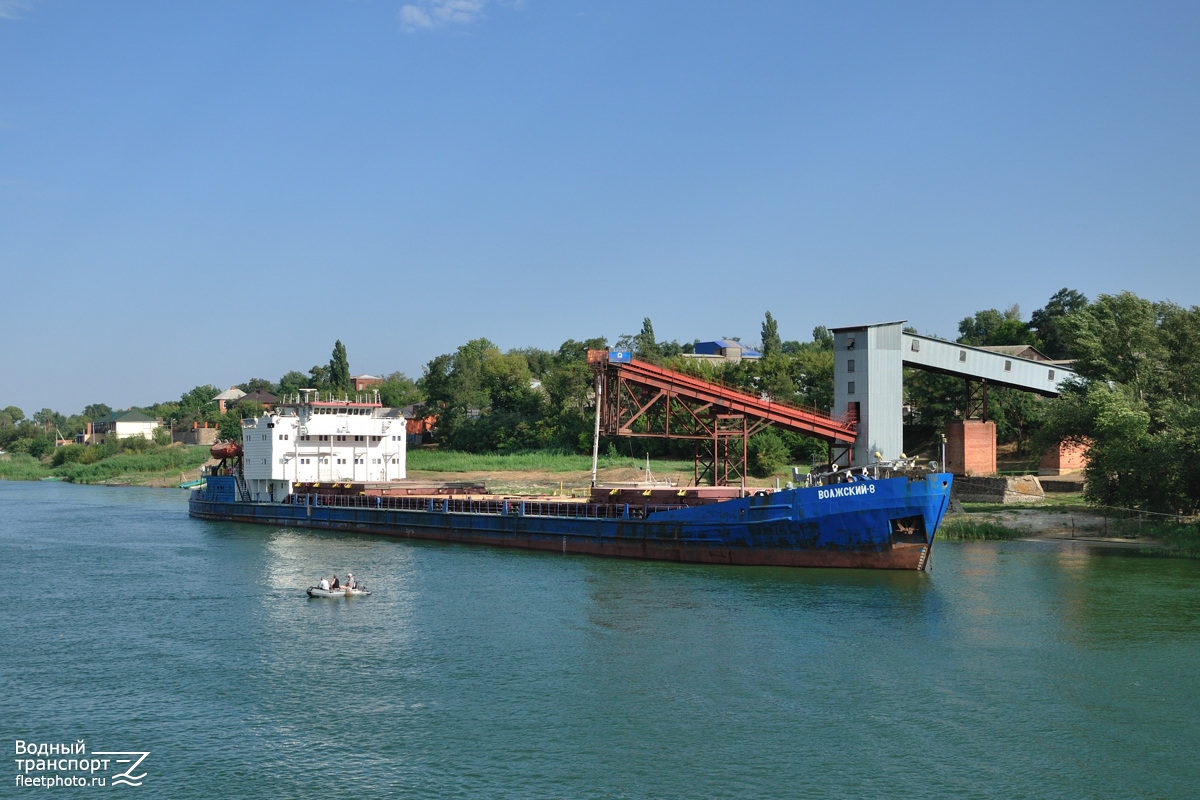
(1054, 502)
(961, 528)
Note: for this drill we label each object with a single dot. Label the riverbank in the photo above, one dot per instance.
(1067, 518)
(143, 465)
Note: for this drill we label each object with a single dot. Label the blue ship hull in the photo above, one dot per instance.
(883, 524)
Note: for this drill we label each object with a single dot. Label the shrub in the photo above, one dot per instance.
(767, 454)
(67, 454)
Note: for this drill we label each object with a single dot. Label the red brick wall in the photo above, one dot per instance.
(1063, 458)
(971, 447)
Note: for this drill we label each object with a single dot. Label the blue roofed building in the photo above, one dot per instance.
(724, 350)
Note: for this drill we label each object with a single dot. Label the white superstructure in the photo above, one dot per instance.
(318, 441)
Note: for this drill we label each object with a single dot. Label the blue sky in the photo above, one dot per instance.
(207, 192)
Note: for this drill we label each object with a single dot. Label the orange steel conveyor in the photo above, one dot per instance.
(667, 384)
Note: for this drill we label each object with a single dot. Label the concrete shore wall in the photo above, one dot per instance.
(1021, 489)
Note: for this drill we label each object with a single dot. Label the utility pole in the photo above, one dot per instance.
(596, 432)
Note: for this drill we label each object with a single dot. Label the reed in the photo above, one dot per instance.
(1177, 540)
(22, 467)
(963, 528)
(158, 459)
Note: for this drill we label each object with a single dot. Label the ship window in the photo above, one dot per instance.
(850, 365)
(1008, 366)
(916, 346)
(962, 355)
(1051, 374)
(850, 387)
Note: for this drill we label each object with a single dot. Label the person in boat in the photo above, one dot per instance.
(350, 584)
(335, 584)
(324, 584)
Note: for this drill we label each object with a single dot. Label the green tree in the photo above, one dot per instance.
(1137, 407)
(318, 378)
(230, 426)
(644, 345)
(292, 382)
(771, 343)
(339, 368)
(48, 419)
(992, 327)
(1049, 321)
(1179, 335)
(259, 383)
(1116, 339)
(95, 411)
(484, 399)
(398, 391)
(198, 400)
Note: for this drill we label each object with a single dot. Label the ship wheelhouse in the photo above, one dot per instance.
(315, 440)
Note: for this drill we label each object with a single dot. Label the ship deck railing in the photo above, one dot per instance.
(498, 507)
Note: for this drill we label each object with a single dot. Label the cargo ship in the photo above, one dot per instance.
(340, 464)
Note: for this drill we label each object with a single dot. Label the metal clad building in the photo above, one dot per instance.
(977, 363)
(868, 376)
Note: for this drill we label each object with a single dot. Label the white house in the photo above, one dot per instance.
(121, 425)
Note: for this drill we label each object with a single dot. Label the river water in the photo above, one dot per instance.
(1012, 670)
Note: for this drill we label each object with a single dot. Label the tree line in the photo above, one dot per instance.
(1137, 402)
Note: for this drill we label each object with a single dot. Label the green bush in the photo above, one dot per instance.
(68, 454)
(767, 454)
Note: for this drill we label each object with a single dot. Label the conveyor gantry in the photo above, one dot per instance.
(640, 399)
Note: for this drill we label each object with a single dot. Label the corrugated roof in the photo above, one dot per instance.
(716, 345)
(868, 325)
